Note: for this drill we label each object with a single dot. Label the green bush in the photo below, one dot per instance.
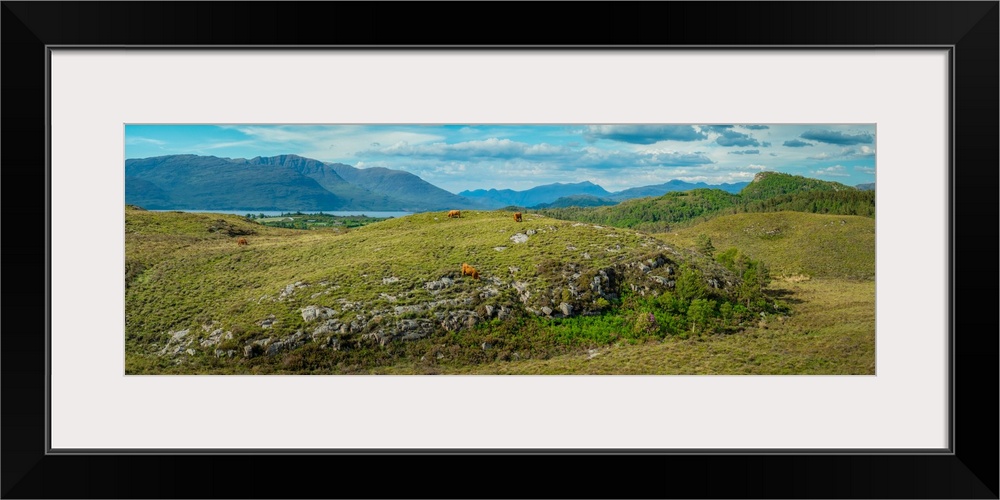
(700, 314)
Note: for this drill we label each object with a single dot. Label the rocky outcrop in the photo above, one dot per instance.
(553, 289)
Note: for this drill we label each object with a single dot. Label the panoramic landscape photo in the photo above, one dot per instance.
(472, 249)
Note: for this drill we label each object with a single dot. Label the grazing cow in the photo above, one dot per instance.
(242, 242)
(454, 213)
(468, 270)
(517, 216)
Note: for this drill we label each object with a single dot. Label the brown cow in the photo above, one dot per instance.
(517, 216)
(468, 270)
(242, 242)
(454, 213)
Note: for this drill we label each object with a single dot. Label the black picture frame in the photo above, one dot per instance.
(969, 470)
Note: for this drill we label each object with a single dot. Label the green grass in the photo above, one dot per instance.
(186, 272)
(183, 273)
(831, 332)
(792, 243)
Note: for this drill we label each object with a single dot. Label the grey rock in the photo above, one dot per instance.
(547, 310)
(566, 309)
(266, 322)
(503, 313)
(660, 279)
(530, 232)
(329, 326)
(519, 238)
(296, 339)
(275, 348)
(439, 284)
(314, 313)
(408, 309)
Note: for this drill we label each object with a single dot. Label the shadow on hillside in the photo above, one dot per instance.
(785, 295)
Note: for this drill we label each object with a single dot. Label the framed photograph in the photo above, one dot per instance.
(725, 252)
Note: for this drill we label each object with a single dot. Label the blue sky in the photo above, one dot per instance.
(470, 156)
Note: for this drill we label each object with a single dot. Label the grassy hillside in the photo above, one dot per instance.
(832, 332)
(651, 214)
(792, 243)
(769, 192)
(770, 184)
(333, 302)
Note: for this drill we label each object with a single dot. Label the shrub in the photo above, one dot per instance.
(704, 245)
(700, 314)
(690, 285)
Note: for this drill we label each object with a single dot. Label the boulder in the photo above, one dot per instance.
(519, 238)
(566, 309)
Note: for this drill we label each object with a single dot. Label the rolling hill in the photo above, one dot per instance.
(394, 291)
(792, 243)
(770, 184)
(768, 192)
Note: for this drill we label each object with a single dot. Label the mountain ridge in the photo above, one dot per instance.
(294, 182)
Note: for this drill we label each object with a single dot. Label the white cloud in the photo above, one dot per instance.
(861, 152)
(834, 171)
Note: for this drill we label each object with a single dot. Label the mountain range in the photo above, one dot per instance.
(286, 182)
(292, 182)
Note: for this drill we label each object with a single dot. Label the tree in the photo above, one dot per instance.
(690, 285)
(756, 277)
(728, 258)
(700, 314)
(705, 245)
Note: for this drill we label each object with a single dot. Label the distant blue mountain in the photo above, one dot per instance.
(674, 185)
(578, 200)
(497, 198)
(285, 182)
(548, 194)
(292, 182)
